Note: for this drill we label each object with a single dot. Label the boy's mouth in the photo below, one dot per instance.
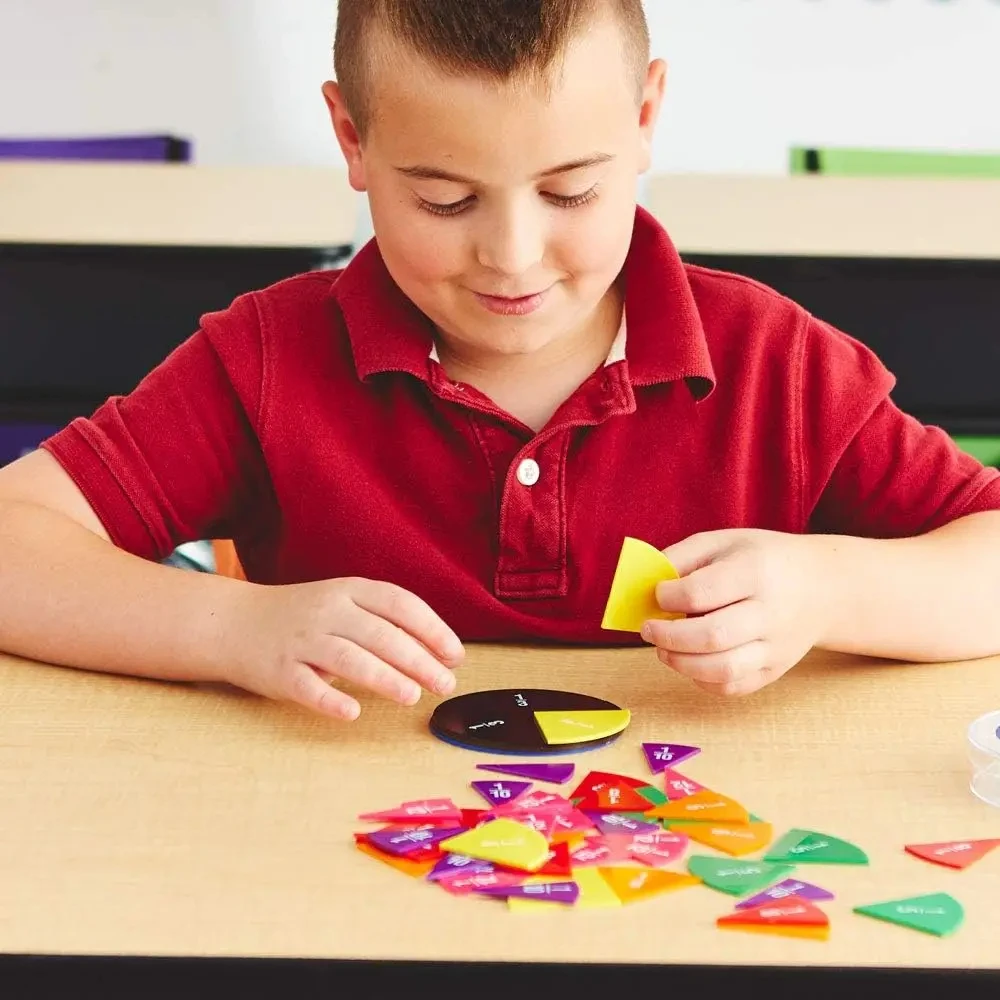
(505, 305)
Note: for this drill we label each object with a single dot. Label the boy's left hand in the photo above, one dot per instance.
(757, 602)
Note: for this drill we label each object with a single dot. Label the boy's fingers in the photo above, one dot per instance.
(391, 645)
(346, 660)
(713, 586)
(410, 613)
(306, 688)
(731, 668)
(748, 685)
(729, 627)
(697, 550)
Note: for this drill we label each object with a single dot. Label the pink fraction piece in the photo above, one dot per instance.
(401, 842)
(501, 792)
(662, 755)
(441, 811)
(677, 786)
(620, 824)
(657, 849)
(464, 885)
(557, 774)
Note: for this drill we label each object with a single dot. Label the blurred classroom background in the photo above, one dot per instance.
(157, 159)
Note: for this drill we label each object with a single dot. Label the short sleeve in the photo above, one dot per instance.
(178, 459)
(869, 468)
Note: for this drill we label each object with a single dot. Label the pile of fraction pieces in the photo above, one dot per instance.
(612, 840)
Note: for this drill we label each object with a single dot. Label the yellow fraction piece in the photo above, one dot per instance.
(815, 933)
(595, 893)
(632, 600)
(734, 839)
(504, 842)
(632, 883)
(579, 727)
(705, 806)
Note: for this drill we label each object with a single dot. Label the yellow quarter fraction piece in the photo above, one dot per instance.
(595, 893)
(504, 842)
(734, 839)
(632, 600)
(581, 727)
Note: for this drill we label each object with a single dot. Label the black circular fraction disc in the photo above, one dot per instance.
(504, 722)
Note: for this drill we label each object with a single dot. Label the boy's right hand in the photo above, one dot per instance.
(296, 641)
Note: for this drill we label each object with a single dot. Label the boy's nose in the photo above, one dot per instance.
(511, 242)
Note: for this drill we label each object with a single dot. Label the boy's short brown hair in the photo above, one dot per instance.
(502, 39)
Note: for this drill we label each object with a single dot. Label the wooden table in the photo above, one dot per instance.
(146, 819)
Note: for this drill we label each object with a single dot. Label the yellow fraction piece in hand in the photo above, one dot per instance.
(504, 842)
(632, 600)
(580, 727)
(595, 893)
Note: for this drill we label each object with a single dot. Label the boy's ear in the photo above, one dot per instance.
(649, 110)
(347, 135)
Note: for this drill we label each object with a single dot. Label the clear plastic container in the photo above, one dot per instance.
(984, 755)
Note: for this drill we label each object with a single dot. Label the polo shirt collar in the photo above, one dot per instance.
(664, 341)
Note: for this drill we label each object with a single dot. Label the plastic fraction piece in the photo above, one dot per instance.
(630, 884)
(594, 781)
(556, 774)
(551, 892)
(658, 849)
(793, 917)
(782, 890)
(632, 598)
(808, 847)
(560, 728)
(504, 842)
(393, 840)
(734, 839)
(652, 795)
(677, 786)
(466, 885)
(441, 811)
(455, 865)
(704, 805)
(619, 823)
(595, 893)
(954, 854)
(408, 866)
(736, 878)
(660, 755)
(501, 792)
(938, 914)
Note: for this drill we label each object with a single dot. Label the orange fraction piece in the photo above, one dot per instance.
(415, 869)
(613, 797)
(734, 839)
(703, 806)
(793, 917)
(635, 882)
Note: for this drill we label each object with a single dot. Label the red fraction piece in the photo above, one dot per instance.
(596, 780)
(471, 818)
(955, 853)
(792, 912)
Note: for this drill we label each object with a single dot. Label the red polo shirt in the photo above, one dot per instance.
(311, 423)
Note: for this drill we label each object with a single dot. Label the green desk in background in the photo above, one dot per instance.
(847, 162)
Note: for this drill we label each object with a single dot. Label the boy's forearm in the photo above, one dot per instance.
(931, 598)
(71, 598)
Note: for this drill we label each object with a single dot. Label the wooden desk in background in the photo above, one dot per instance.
(146, 819)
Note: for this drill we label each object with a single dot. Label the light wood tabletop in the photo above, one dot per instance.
(153, 819)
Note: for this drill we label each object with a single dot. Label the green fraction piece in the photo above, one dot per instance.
(667, 822)
(809, 847)
(652, 795)
(938, 913)
(735, 877)
(638, 817)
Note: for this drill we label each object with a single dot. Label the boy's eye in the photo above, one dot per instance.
(457, 207)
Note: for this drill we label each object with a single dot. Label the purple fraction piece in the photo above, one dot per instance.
(551, 892)
(660, 756)
(499, 793)
(453, 865)
(790, 887)
(406, 841)
(557, 774)
(616, 823)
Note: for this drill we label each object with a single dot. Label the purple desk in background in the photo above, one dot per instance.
(148, 148)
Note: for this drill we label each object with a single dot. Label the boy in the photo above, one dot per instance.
(449, 439)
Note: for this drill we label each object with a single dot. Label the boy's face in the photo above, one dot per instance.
(502, 211)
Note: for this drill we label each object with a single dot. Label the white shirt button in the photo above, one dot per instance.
(528, 472)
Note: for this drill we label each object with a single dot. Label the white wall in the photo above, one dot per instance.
(748, 78)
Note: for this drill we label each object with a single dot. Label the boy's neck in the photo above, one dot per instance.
(531, 387)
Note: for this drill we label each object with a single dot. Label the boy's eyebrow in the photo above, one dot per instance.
(436, 174)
